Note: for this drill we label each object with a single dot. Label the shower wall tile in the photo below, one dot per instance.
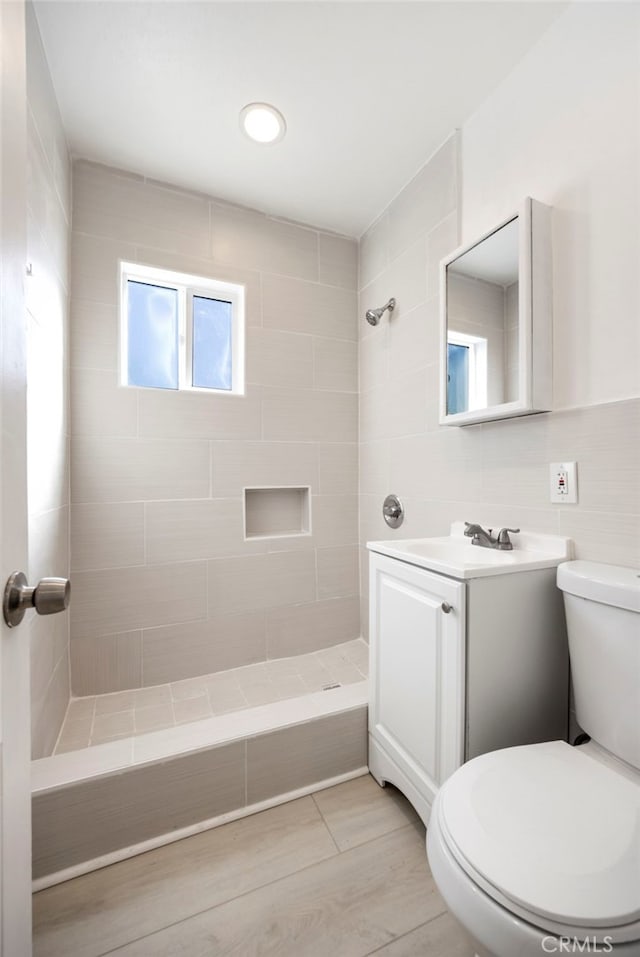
(425, 201)
(189, 530)
(299, 629)
(240, 235)
(237, 465)
(166, 414)
(338, 468)
(338, 261)
(105, 664)
(297, 306)
(275, 358)
(335, 519)
(189, 649)
(158, 477)
(335, 365)
(117, 599)
(261, 581)
(125, 470)
(311, 416)
(107, 535)
(92, 392)
(94, 335)
(338, 573)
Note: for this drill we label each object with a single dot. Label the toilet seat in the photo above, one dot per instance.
(552, 834)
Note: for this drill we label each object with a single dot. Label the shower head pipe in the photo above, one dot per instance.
(373, 316)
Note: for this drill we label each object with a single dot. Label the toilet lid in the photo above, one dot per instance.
(553, 829)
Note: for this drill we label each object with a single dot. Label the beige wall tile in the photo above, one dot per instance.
(99, 817)
(167, 414)
(338, 468)
(237, 465)
(189, 530)
(374, 250)
(335, 519)
(425, 202)
(441, 241)
(280, 359)
(127, 208)
(105, 664)
(114, 599)
(107, 535)
(335, 365)
(608, 537)
(100, 406)
(125, 470)
(294, 305)
(338, 573)
(305, 753)
(245, 236)
(310, 416)
(94, 266)
(299, 629)
(338, 260)
(94, 335)
(47, 719)
(261, 581)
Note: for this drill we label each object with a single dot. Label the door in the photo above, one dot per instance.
(417, 670)
(15, 718)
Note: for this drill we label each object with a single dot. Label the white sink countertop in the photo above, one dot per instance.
(456, 556)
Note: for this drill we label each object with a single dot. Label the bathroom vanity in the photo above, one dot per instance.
(468, 654)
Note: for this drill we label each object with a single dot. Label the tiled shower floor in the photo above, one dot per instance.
(107, 717)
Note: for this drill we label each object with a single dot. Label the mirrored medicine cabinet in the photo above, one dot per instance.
(495, 317)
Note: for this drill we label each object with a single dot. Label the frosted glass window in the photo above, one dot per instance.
(457, 378)
(179, 331)
(152, 329)
(212, 343)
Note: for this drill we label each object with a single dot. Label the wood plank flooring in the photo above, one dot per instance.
(341, 873)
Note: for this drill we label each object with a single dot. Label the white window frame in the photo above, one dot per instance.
(187, 286)
(477, 347)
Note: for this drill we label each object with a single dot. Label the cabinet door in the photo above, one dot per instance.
(417, 670)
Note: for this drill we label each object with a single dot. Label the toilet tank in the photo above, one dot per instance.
(602, 605)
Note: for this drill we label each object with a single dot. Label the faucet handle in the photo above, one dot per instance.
(503, 536)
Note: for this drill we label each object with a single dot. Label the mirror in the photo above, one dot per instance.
(487, 348)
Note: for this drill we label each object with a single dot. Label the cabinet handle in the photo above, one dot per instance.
(446, 607)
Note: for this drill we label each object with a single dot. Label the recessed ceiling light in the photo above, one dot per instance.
(262, 123)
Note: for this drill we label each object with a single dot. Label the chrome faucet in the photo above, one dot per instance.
(485, 539)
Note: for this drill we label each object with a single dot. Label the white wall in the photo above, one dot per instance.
(564, 128)
(48, 231)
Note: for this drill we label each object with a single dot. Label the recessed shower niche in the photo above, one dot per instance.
(277, 512)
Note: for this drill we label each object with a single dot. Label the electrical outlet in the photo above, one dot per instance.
(563, 483)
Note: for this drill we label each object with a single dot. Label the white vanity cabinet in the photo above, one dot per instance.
(460, 667)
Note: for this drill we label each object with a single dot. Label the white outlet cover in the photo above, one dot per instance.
(563, 483)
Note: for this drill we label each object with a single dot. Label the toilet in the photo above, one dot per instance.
(536, 849)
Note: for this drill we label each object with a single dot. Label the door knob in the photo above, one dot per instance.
(49, 596)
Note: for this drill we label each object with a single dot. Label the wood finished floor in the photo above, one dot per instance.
(341, 873)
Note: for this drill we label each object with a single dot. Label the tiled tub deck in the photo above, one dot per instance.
(138, 769)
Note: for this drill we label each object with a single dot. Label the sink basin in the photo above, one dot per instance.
(456, 556)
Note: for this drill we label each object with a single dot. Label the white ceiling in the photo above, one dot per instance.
(369, 90)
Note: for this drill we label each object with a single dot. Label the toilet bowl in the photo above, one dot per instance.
(536, 849)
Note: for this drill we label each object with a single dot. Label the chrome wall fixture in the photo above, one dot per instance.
(373, 316)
